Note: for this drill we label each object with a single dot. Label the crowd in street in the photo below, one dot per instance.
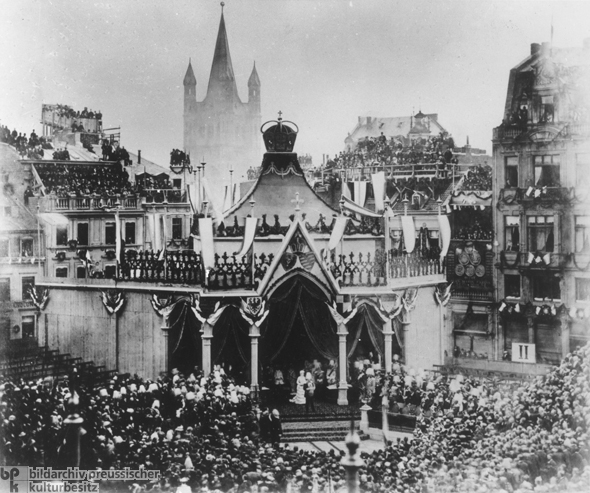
(471, 436)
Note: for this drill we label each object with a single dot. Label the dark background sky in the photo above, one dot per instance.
(323, 63)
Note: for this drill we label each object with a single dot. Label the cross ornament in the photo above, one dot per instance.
(297, 201)
(280, 115)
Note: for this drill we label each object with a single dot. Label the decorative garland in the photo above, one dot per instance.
(442, 294)
(537, 259)
(39, 297)
(579, 313)
(161, 308)
(112, 300)
(409, 299)
(253, 311)
(290, 170)
(505, 264)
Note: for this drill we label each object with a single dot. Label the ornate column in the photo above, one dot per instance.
(388, 342)
(342, 366)
(166, 332)
(565, 333)
(254, 336)
(206, 336)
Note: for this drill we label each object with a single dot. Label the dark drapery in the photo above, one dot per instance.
(231, 340)
(185, 338)
(301, 297)
(368, 319)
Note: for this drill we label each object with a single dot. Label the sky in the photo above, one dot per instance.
(322, 63)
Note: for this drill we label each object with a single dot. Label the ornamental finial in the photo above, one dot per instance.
(222, 5)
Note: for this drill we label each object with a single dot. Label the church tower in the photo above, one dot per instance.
(221, 129)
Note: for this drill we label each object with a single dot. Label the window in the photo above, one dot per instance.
(61, 235)
(176, 183)
(547, 171)
(177, 228)
(511, 171)
(26, 247)
(512, 233)
(27, 284)
(512, 286)
(541, 234)
(582, 289)
(4, 247)
(4, 289)
(81, 272)
(130, 233)
(582, 234)
(545, 285)
(61, 272)
(546, 115)
(110, 234)
(28, 326)
(110, 271)
(582, 169)
(82, 233)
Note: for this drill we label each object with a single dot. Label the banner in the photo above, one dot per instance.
(337, 232)
(360, 192)
(445, 235)
(379, 190)
(207, 245)
(249, 234)
(409, 231)
(353, 207)
(214, 200)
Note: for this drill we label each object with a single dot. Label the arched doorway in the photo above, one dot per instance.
(298, 334)
(184, 343)
(230, 346)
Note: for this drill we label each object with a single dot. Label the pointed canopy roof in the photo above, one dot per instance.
(222, 72)
(254, 80)
(189, 77)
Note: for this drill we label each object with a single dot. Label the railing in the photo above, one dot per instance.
(93, 203)
(473, 294)
(360, 269)
(413, 266)
(502, 133)
(182, 267)
(21, 260)
(245, 273)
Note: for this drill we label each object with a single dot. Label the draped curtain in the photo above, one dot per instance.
(298, 296)
(231, 338)
(185, 337)
(368, 319)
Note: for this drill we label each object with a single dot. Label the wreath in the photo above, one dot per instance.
(112, 300)
(72, 243)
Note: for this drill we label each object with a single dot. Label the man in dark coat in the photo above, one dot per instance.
(276, 428)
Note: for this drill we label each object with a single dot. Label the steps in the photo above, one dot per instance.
(39, 362)
(318, 429)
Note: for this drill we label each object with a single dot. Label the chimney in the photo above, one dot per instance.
(139, 157)
(535, 48)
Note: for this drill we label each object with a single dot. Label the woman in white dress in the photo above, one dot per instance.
(300, 395)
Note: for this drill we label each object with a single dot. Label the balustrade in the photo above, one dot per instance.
(412, 266)
(233, 273)
(94, 203)
(360, 269)
(183, 267)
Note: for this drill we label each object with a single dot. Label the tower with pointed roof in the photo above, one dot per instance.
(222, 129)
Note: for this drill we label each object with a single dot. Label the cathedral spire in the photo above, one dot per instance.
(189, 77)
(222, 72)
(254, 80)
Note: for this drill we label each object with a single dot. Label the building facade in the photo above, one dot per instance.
(221, 129)
(542, 215)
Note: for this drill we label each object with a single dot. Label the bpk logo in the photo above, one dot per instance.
(13, 479)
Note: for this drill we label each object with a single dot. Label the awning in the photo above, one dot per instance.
(53, 219)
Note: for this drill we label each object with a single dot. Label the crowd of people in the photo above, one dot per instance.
(381, 151)
(203, 433)
(31, 147)
(478, 178)
(112, 151)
